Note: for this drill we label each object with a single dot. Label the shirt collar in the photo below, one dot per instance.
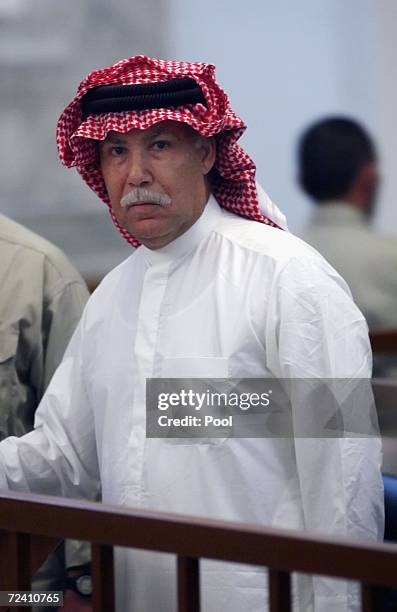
(337, 213)
(186, 242)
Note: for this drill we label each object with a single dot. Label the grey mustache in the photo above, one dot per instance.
(144, 195)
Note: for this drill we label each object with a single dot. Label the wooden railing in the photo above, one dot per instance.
(383, 340)
(26, 519)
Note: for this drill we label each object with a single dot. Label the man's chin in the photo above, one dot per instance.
(150, 231)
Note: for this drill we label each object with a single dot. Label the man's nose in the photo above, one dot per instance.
(138, 170)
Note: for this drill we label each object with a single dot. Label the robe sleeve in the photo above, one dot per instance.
(59, 456)
(322, 338)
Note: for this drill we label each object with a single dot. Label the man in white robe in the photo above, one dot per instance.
(215, 290)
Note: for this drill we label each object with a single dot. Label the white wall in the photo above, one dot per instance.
(46, 48)
(386, 96)
(285, 64)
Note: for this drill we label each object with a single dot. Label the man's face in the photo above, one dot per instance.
(156, 179)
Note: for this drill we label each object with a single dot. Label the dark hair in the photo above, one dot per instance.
(330, 155)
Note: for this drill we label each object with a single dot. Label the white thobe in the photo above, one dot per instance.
(229, 298)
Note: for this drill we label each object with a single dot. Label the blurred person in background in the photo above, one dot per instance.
(41, 301)
(338, 170)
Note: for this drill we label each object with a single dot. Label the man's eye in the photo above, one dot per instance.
(117, 150)
(160, 145)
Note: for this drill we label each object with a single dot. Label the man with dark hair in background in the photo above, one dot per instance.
(338, 170)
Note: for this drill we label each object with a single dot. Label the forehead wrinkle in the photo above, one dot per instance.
(145, 134)
(159, 130)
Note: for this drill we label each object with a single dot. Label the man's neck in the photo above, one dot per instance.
(189, 240)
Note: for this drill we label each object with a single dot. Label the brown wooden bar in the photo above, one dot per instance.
(102, 572)
(3, 564)
(279, 591)
(3, 560)
(368, 598)
(383, 340)
(15, 573)
(21, 556)
(18, 561)
(188, 585)
(284, 551)
(40, 548)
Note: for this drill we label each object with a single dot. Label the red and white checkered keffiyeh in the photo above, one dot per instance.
(234, 187)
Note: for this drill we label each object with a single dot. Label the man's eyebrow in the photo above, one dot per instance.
(114, 139)
(160, 131)
(117, 139)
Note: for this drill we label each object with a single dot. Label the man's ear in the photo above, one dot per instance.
(367, 181)
(207, 148)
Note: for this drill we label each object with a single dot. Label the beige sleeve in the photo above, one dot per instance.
(60, 319)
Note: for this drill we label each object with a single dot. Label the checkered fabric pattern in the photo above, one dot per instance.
(234, 184)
